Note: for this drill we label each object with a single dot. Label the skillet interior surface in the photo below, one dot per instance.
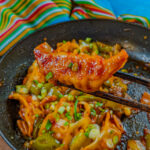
(14, 65)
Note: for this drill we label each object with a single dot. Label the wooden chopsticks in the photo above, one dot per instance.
(133, 78)
(120, 100)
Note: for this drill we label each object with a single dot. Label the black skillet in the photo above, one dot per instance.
(14, 65)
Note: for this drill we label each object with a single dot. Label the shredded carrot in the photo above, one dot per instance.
(60, 112)
(145, 98)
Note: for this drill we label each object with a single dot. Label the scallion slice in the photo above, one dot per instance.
(49, 76)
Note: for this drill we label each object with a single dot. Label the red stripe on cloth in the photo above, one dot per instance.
(101, 11)
(2, 1)
(79, 9)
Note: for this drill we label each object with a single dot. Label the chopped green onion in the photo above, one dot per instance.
(98, 104)
(34, 89)
(112, 131)
(47, 106)
(61, 144)
(86, 51)
(93, 112)
(79, 115)
(48, 125)
(115, 139)
(70, 97)
(102, 110)
(68, 108)
(78, 51)
(91, 45)
(49, 76)
(86, 134)
(81, 109)
(97, 51)
(64, 41)
(36, 115)
(92, 105)
(88, 39)
(43, 131)
(43, 92)
(61, 109)
(95, 48)
(39, 85)
(70, 65)
(81, 93)
(66, 123)
(107, 83)
(75, 110)
(22, 89)
(60, 95)
(36, 81)
(40, 97)
(52, 107)
(57, 117)
(51, 132)
(65, 104)
(54, 91)
(68, 116)
(48, 85)
(110, 143)
(94, 133)
(111, 112)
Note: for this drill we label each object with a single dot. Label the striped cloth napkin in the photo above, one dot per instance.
(19, 18)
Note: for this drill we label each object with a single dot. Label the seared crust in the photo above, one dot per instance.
(91, 71)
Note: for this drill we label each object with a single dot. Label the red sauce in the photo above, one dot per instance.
(145, 98)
